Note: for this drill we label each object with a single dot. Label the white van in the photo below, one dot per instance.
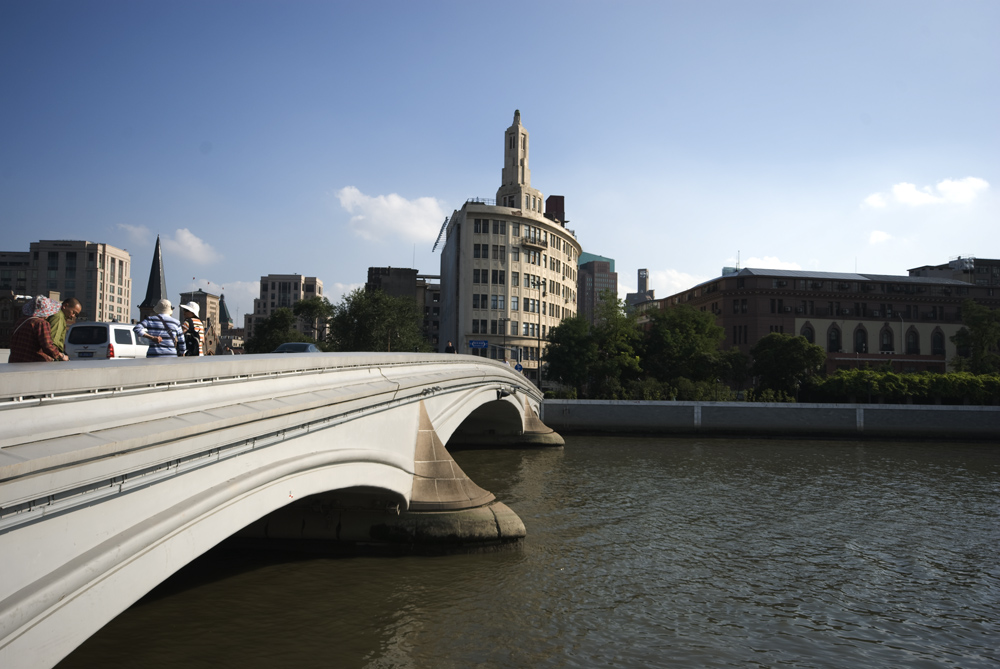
(103, 341)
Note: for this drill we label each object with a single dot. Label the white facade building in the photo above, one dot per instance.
(284, 291)
(508, 271)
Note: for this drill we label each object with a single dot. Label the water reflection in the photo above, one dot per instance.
(640, 552)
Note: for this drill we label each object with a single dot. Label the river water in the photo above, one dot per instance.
(639, 553)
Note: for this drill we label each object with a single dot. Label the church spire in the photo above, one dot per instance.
(156, 289)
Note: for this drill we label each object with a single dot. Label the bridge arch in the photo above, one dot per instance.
(112, 477)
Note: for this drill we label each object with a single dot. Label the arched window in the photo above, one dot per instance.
(860, 340)
(808, 333)
(912, 343)
(937, 343)
(833, 339)
(885, 341)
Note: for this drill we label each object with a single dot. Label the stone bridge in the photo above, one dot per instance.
(115, 475)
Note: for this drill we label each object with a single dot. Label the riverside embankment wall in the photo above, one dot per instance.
(761, 419)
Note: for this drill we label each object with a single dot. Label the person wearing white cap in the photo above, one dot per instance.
(163, 332)
(194, 331)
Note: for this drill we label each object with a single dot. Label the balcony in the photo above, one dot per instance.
(534, 243)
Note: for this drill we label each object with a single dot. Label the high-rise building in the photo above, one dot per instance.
(15, 267)
(425, 289)
(99, 275)
(644, 293)
(597, 276)
(279, 291)
(508, 268)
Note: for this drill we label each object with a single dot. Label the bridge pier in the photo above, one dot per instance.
(447, 510)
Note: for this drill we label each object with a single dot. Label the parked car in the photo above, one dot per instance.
(297, 347)
(103, 341)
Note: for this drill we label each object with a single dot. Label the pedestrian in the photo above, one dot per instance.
(162, 330)
(194, 331)
(450, 348)
(62, 319)
(229, 350)
(31, 340)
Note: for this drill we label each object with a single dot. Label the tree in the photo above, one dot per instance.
(571, 353)
(615, 337)
(784, 362)
(979, 341)
(373, 320)
(273, 331)
(681, 342)
(315, 312)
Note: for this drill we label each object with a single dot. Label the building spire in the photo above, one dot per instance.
(156, 289)
(515, 179)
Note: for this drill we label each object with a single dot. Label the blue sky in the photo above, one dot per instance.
(324, 137)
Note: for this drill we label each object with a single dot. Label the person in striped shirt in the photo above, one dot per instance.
(163, 332)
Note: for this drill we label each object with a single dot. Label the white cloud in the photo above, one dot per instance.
(908, 194)
(962, 191)
(336, 291)
(770, 262)
(138, 235)
(190, 247)
(667, 282)
(877, 237)
(875, 200)
(946, 191)
(391, 216)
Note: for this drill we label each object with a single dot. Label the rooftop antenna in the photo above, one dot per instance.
(737, 260)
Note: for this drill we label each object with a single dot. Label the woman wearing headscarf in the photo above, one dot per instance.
(31, 340)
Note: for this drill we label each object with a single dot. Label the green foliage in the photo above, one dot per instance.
(571, 354)
(769, 395)
(314, 312)
(978, 342)
(372, 320)
(274, 331)
(614, 336)
(868, 385)
(784, 362)
(684, 342)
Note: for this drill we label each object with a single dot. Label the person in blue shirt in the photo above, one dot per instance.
(163, 332)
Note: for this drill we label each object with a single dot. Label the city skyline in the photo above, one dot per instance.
(320, 139)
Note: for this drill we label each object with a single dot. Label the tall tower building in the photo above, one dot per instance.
(282, 291)
(508, 269)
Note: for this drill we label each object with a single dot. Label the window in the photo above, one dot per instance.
(860, 341)
(937, 343)
(833, 340)
(513, 328)
(500, 302)
(515, 254)
(885, 340)
(475, 251)
(912, 343)
(475, 326)
(808, 333)
(513, 302)
(475, 301)
(496, 252)
(476, 276)
(493, 325)
(515, 279)
(493, 304)
(515, 229)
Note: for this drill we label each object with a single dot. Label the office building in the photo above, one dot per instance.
(596, 277)
(508, 266)
(98, 275)
(282, 291)
(424, 289)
